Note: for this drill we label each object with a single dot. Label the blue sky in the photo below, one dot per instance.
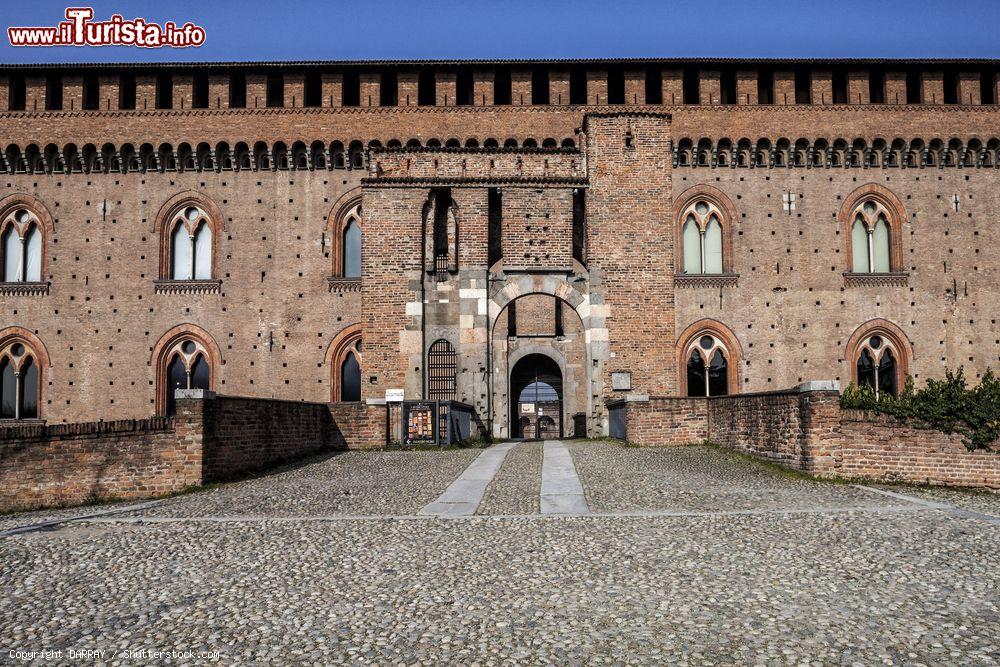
(386, 29)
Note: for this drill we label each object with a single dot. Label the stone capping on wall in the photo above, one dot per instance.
(187, 286)
(39, 430)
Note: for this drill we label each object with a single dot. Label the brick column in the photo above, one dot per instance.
(408, 86)
(746, 87)
(4, 93)
(520, 87)
(597, 86)
(895, 87)
(145, 91)
(34, 94)
(294, 84)
(72, 93)
(445, 88)
(559, 86)
(821, 86)
(968, 88)
(673, 86)
(932, 87)
(819, 424)
(635, 86)
(710, 87)
(332, 84)
(482, 86)
(218, 91)
(857, 88)
(371, 89)
(784, 87)
(183, 85)
(108, 98)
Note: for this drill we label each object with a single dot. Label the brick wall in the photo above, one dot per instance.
(879, 447)
(209, 439)
(805, 429)
(70, 464)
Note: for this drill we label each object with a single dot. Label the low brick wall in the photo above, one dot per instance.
(211, 438)
(805, 429)
(875, 446)
(70, 464)
(666, 421)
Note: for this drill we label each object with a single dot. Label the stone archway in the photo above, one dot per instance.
(536, 405)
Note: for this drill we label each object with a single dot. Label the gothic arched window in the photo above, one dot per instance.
(20, 381)
(701, 237)
(344, 230)
(21, 247)
(871, 234)
(345, 363)
(707, 366)
(191, 248)
(878, 364)
(187, 366)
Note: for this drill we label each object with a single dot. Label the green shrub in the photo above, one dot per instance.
(946, 405)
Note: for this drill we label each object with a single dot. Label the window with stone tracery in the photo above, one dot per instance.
(191, 247)
(871, 238)
(877, 365)
(707, 366)
(21, 247)
(701, 237)
(187, 366)
(20, 381)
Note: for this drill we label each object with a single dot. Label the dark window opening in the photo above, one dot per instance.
(727, 86)
(164, 91)
(765, 86)
(839, 86)
(53, 93)
(275, 90)
(512, 319)
(986, 89)
(876, 86)
(442, 204)
(350, 91)
(578, 86)
(692, 92)
(17, 92)
(350, 379)
(579, 226)
(237, 90)
(616, 85)
(312, 96)
(501, 86)
(540, 85)
(913, 88)
(426, 88)
(654, 85)
(388, 88)
(803, 87)
(91, 92)
(495, 215)
(464, 87)
(950, 86)
(199, 91)
(560, 332)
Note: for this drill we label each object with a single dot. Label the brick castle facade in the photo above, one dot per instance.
(533, 239)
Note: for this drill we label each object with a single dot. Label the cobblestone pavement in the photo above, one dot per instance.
(761, 568)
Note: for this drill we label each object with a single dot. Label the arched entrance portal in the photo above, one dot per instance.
(536, 384)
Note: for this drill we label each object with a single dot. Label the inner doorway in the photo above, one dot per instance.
(537, 413)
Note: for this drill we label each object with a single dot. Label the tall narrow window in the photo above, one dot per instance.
(199, 91)
(502, 86)
(345, 362)
(164, 91)
(191, 246)
(91, 92)
(616, 85)
(986, 91)
(654, 85)
(17, 91)
(352, 249)
(21, 247)
(691, 87)
(275, 90)
(20, 382)
(580, 226)
(876, 85)
(577, 85)
(701, 236)
(871, 238)
(442, 367)
(445, 232)
(495, 215)
(313, 93)
(727, 86)
(426, 87)
(765, 86)
(53, 93)
(914, 94)
(351, 89)
(803, 86)
(839, 86)
(951, 86)
(350, 379)
(707, 366)
(237, 90)
(388, 90)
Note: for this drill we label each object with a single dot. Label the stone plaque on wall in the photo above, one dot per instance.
(621, 381)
